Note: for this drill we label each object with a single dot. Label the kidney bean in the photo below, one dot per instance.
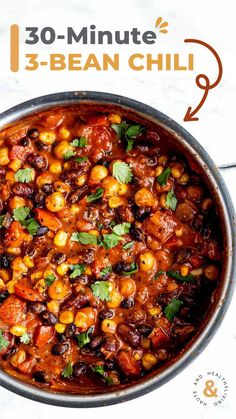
(60, 348)
(106, 314)
(129, 334)
(39, 199)
(3, 296)
(136, 316)
(78, 301)
(144, 329)
(37, 307)
(48, 318)
(127, 364)
(23, 189)
(137, 234)
(37, 161)
(141, 213)
(127, 303)
(96, 342)
(11, 351)
(47, 189)
(125, 213)
(111, 345)
(78, 194)
(40, 376)
(185, 212)
(79, 369)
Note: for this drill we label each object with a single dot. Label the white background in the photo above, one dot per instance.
(171, 92)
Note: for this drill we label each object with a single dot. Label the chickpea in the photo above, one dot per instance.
(159, 170)
(60, 186)
(114, 118)
(115, 299)
(163, 200)
(184, 179)
(4, 159)
(111, 186)
(55, 202)
(58, 290)
(144, 198)
(64, 133)
(211, 272)
(81, 180)
(127, 287)
(47, 137)
(149, 361)
(15, 164)
(163, 159)
(55, 167)
(17, 202)
(85, 318)
(176, 170)
(117, 201)
(62, 148)
(108, 326)
(147, 261)
(123, 189)
(98, 173)
(45, 178)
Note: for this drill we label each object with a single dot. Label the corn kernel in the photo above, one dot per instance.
(88, 271)
(159, 170)
(94, 233)
(81, 180)
(114, 118)
(47, 137)
(55, 167)
(11, 286)
(53, 306)
(123, 189)
(145, 343)
(41, 286)
(155, 311)
(13, 250)
(184, 270)
(18, 265)
(176, 170)
(63, 268)
(184, 178)
(28, 262)
(108, 326)
(162, 159)
(60, 238)
(60, 328)
(15, 165)
(137, 356)
(66, 317)
(75, 208)
(4, 159)
(148, 361)
(2, 285)
(179, 232)
(4, 275)
(18, 330)
(116, 201)
(64, 133)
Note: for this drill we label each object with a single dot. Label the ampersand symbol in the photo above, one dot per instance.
(209, 391)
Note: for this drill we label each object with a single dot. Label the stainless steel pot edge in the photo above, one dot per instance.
(68, 98)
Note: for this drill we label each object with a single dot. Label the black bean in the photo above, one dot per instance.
(42, 146)
(96, 342)
(9, 353)
(48, 318)
(25, 142)
(141, 213)
(110, 365)
(61, 337)
(39, 199)
(59, 258)
(60, 348)
(3, 296)
(123, 267)
(137, 234)
(144, 329)
(33, 133)
(47, 189)
(90, 352)
(103, 162)
(4, 261)
(41, 231)
(197, 222)
(183, 255)
(39, 376)
(37, 307)
(106, 314)
(127, 303)
(206, 232)
(70, 330)
(79, 369)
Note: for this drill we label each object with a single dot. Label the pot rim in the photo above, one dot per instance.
(149, 113)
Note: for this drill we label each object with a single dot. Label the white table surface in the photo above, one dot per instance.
(172, 92)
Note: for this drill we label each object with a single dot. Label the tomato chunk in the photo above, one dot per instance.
(43, 335)
(127, 364)
(12, 310)
(19, 152)
(27, 292)
(16, 235)
(48, 220)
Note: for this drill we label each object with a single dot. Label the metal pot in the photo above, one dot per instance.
(190, 147)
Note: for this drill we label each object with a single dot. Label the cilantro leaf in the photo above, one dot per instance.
(129, 132)
(128, 245)
(68, 154)
(50, 279)
(106, 271)
(79, 142)
(25, 338)
(84, 238)
(32, 225)
(1, 220)
(134, 130)
(133, 269)
(120, 229)
(176, 275)
(101, 290)
(81, 159)
(163, 177)
(120, 129)
(111, 240)
(3, 342)
(96, 195)
(24, 175)
(130, 143)
(99, 369)
(68, 370)
(158, 273)
(171, 200)
(83, 338)
(122, 172)
(172, 309)
(21, 213)
(77, 270)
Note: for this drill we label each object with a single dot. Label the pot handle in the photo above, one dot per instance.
(227, 166)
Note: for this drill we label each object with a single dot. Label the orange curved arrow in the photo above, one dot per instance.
(190, 114)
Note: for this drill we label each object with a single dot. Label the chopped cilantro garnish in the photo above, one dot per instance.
(106, 271)
(120, 229)
(69, 154)
(101, 290)
(172, 309)
(96, 195)
(68, 370)
(50, 279)
(128, 245)
(171, 200)
(163, 177)
(176, 275)
(84, 238)
(77, 270)
(79, 142)
(122, 172)
(3, 342)
(24, 175)
(25, 338)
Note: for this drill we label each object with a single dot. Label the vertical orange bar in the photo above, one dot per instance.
(14, 48)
